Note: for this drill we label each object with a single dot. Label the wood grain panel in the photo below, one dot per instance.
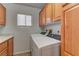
(67, 54)
(3, 46)
(44, 17)
(10, 47)
(58, 11)
(71, 33)
(2, 15)
(49, 11)
(4, 52)
(68, 32)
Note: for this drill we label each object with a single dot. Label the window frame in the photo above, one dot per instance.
(25, 20)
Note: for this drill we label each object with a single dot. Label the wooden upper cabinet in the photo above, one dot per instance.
(71, 33)
(40, 19)
(57, 11)
(2, 15)
(51, 12)
(48, 12)
(42, 16)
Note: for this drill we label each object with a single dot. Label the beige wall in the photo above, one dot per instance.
(21, 34)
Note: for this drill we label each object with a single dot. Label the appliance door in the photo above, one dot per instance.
(51, 50)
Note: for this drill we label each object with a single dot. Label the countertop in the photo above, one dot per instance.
(4, 38)
(42, 40)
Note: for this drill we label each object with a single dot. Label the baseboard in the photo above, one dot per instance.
(21, 52)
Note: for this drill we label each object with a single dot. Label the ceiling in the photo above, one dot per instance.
(36, 5)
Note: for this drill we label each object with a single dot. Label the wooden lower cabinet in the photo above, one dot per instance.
(6, 48)
(3, 46)
(67, 54)
(4, 52)
(10, 47)
(70, 41)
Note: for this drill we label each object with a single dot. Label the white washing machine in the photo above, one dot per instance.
(44, 46)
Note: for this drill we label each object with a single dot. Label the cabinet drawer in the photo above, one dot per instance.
(3, 46)
(3, 53)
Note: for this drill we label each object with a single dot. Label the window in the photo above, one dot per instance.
(24, 20)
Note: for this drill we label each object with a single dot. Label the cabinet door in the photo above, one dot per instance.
(43, 15)
(57, 11)
(4, 52)
(3, 46)
(71, 42)
(48, 12)
(40, 19)
(10, 47)
(2, 14)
